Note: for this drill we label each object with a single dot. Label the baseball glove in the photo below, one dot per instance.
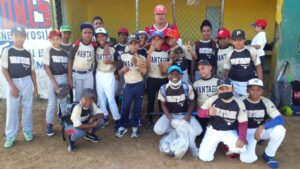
(163, 67)
(63, 91)
(140, 64)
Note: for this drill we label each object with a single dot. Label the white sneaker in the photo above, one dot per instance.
(135, 132)
(121, 131)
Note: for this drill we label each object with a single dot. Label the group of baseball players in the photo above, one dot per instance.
(220, 81)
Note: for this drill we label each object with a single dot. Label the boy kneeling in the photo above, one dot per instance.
(259, 109)
(86, 118)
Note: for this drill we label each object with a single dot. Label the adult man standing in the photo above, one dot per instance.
(161, 24)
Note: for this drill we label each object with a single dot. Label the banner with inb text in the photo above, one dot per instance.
(35, 17)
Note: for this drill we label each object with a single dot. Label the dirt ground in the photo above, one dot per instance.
(123, 153)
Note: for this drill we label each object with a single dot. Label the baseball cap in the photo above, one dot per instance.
(160, 9)
(123, 30)
(238, 34)
(54, 33)
(173, 33)
(145, 33)
(133, 37)
(88, 93)
(66, 28)
(260, 22)
(223, 33)
(255, 82)
(86, 25)
(101, 30)
(204, 62)
(174, 68)
(224, 82)
(20, 30)
(157, 33)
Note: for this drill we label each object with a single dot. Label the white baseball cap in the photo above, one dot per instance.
(255, 82)
(101, 30)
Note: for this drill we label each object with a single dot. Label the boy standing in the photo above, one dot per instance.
(86, 118)
(66, 33)
(259, 41)
(18, 70)
(81, 62)
(259, 109)
(105, 75)
(242, 64)
(155, 77)
(134, 87)
(227, 115)
(55, 62)
(223, 50)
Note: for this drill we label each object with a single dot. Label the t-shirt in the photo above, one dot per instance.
(205, 88)
(66, 47)
(84, 58)
(222, 56)
(176, 99)
(57, 60)
(133, 75)
(80, 115)
(242, 64)
(259, 111)
(206, 50)
(228, 113)
(260, 39)
(157, 57)
(101, 66)
(18, 62)
(120, 49)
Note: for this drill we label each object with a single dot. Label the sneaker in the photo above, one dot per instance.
(228, 153)
(91, 137)
(28, 136)
(9, 142)
(135, 132)
(71, 146)
(272, 163)
(121, 131)
(50, 131)
(117, 125)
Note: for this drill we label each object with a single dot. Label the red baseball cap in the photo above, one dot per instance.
(173, 33)
(223, 33)
(123, 30)
(54, 33)
(260, 22)
(160, 9)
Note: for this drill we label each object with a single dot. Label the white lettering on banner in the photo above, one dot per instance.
(256, 113)
(19, 60)
(60, 59)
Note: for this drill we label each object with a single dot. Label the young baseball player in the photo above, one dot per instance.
(81, 62)
(134, 87)
(55, 62)
(120, 49)
(86, 118)
(105, 78)
(18, 70)
(242, 64)
(259, 41)
(204, 48)
(259, 109)
(176, 97)
(155, 77)
(224, 48)
(227, 115)
(66, 33)
(179, 54)
(144, 38)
